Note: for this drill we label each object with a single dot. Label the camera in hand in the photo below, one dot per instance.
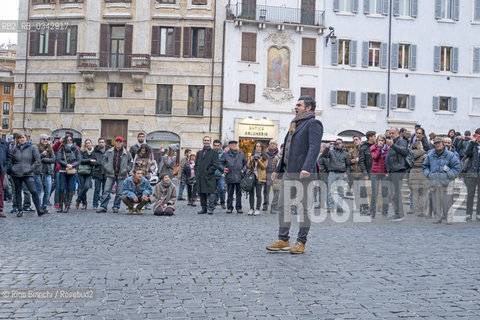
(256, 157)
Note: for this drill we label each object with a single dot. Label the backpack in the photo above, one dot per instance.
(248, 181)
(409, 159)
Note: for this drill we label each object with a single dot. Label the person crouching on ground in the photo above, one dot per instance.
(164, 197)
(136, 189)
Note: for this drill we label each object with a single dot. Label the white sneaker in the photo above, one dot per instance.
(251, 212)
(257, 213)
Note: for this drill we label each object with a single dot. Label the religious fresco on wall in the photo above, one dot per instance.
(278, 67)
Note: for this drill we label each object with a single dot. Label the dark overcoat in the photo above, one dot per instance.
(205, 166)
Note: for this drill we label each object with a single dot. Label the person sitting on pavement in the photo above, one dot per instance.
(441, 167)
(164, 197)
(136, 189)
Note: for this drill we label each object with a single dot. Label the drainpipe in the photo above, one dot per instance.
(389, 56)
(223, 80)
(26, 68)
(213, 65)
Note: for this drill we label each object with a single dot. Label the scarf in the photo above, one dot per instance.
(89, 152)
(272, 152)
(205, 149)
(192, 169)
(299, 119)
(169, 188)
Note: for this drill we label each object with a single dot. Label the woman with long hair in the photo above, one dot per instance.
(84, 174)
(44, 173)
(378, 175)
(25, 159)
(257, 163)
(143, 161)
(68, 156)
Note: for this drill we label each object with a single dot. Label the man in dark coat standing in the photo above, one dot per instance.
(298, 163)
(205, 165)
(5, 164)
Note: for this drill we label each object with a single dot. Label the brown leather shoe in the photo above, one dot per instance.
(138, 211)
(130, 211)
(2, 215)
(298, 248)
(77, 205)
(280, 245)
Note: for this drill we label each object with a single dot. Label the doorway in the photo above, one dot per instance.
(114, 128)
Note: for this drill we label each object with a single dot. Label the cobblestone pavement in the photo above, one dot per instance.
(192, 266)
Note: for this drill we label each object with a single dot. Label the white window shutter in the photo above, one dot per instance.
(383, 55)
(411, 102)
(353, 53)
(396, 8)
(383, 100)
(366, 6)
(414, 8)
(333, 97)
(351, 99)
(413, 57)
(454, 105)
(363, 100)
(335, 53)
(393, 101)
(436, 58)
(436, 104)
(454, 66)
(365, 54)
(438, 9)
(355, 6)
(476, 59)
(456, 9)
(394, 56)
(385, 7)
(336, 5)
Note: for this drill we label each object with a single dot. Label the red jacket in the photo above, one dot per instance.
(378, 164)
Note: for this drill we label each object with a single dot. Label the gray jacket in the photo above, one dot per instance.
(125, 164)
(25, 160)
(338, 160)
(236, 164)
(397, 154)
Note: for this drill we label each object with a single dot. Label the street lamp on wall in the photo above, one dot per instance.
(331, 36)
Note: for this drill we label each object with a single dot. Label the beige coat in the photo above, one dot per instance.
(159, 196)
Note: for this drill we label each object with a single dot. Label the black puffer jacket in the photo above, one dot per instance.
(472, 153)
(25, 159)
(365, 158)
(397, 154)
(236, 163)
(47, 161)
(99, 170)
(339, 160)
(68, 154)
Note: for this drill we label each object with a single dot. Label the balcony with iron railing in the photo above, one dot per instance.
(275, 15)
(113, 61)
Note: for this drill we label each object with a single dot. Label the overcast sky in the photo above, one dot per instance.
(8, 11)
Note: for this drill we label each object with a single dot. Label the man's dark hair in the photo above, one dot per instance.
(217, 141)
(141, 134)
(402, 130)
(421, 129)
(370, 134)
(339, 139)
(187, 151)
(467, 133)
(136, 170)
(101, 138)
(308, 102)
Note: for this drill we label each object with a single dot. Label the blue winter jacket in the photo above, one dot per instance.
(434, 167)
(143, 189)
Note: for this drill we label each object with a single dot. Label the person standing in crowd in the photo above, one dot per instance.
(447, 142)
(219, 176)
(143, 161)
(432, 136)
(140, 140)
(84, 173)
(69, 157)
(365, 162)
(322, 176)
(453, 137)
(397, 168)
(271, 152)
(5, 163)
(137, 190)
(98, 171)
(205, 166)
(234, 165)
(378, 175)
(164, 197)
(420, 136)
(276, 186)
(441, 167)
(168, 161)
(25, 159)
(188, 178)
(298, 162)
(43, 173)
(472, 176)
(463, 144)
(185, 159)
(257, 163)
(416, 180)
(118, 163)
(355, 172)
(56, 178)
(339, 168)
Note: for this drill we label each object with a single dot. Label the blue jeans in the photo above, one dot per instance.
(99, 190)
(332, 177)
(220, 191)
(43, 182)
(180, 191)
(67, 182)
(84, 184)
(108, 191)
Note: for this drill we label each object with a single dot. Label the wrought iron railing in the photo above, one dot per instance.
(113, 61)
(262, 13)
